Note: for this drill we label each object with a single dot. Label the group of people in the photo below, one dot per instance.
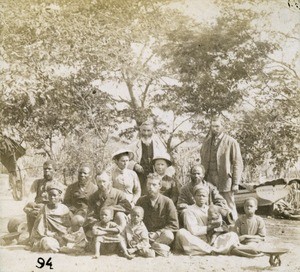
(137, 208)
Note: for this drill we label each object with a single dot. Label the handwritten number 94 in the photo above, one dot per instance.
(41, 263)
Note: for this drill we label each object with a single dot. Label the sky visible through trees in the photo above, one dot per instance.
(78, 76)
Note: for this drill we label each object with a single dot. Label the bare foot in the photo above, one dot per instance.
(128, 256)
(96, 257)
(131, 250)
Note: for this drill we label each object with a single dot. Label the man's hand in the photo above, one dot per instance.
(35, 212)
(235, 188)
(50, 233)
(182, 206)
(242, 238)
(153, 236)
(138, 168)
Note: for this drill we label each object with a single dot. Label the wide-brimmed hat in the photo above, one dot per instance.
(123, 151)
(163, 156)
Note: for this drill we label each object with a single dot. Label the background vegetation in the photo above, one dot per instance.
(77, 77)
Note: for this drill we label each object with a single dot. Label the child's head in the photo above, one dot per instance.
(106, 214)
(160, 166)
(54, 192)
(200, 194)
(137, 215)
(77, 222)
(250, 205)
(214, 213)
(161, 163)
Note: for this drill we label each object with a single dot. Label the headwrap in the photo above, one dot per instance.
(55, 186)
(200, 187)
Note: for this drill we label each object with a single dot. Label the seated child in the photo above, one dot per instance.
(250, 228)
(75, 239)
(136, 235)
(169, 185)
(216, 225)
(106, 231)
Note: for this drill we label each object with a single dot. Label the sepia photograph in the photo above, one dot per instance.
(149, 135)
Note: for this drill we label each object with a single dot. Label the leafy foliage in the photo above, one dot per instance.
(57, 56)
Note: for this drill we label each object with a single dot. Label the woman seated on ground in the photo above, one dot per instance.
(169, 185)
(125, 179)
(52, 222)
(193, 238)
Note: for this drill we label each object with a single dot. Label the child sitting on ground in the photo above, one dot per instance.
(106, 231)
(251, 230)
(75, 238)
(214, 218)
(136, 235)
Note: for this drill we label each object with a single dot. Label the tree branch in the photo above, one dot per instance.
(285, 66)
(120, 100)
(286, 35)
(147, 60)
(175, 146)
(144, 95)
(134, 102)
(190, 117)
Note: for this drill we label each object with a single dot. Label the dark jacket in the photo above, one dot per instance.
(214, 197)
(115, 199)
(76, 198)
(160, 217)
(229, 161)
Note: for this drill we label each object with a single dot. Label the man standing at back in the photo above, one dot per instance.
(222, 160)
(144, 149)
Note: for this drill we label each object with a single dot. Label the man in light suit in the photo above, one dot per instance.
(144, 149)
(222, 160)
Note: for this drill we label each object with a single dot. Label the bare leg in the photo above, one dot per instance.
(123, 246)
(97, 247)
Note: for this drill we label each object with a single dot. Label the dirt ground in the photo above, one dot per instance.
(281, 233)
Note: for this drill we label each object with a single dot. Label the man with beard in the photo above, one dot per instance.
(107, 196)
(144, 149)
(160, 216)
(38, 191)
(78, 194)
(222, 160)
(186, 197)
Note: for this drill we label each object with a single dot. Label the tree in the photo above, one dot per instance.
(53, 55)
(55, 59)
